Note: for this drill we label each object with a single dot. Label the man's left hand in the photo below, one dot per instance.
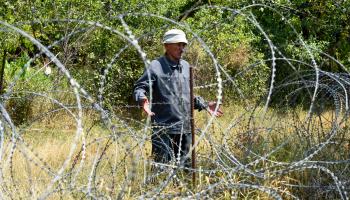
(211, 109)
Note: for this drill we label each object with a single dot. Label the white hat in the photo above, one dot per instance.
(174, 36)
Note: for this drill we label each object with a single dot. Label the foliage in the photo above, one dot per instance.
(27, 80)
(230, 31)
(232, 46)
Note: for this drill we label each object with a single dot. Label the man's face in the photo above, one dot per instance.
(175, 50)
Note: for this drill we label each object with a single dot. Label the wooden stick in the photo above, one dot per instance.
(192, 129)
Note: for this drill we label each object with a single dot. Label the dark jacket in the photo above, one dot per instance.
(169, 94)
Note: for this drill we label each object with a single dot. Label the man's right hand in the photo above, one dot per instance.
(146, 108)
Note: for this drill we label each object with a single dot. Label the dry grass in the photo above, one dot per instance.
(119, 163)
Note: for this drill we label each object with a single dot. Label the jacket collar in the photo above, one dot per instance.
(173, 65)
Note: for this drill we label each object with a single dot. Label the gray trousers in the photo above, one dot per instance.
(169, 146)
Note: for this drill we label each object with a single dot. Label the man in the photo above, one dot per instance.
(167, 82)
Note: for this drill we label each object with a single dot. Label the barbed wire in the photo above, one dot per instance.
(270, 148)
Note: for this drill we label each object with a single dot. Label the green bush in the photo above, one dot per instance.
(27, 81)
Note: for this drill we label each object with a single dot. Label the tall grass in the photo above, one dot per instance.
(245, 154)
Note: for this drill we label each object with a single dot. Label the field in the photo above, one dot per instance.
(246, 154)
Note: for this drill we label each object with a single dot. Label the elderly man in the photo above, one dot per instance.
(166, 81)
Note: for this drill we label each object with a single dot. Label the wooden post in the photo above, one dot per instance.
(192, 129)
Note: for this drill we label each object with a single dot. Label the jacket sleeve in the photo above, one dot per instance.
(143, 84)
(199, 103)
